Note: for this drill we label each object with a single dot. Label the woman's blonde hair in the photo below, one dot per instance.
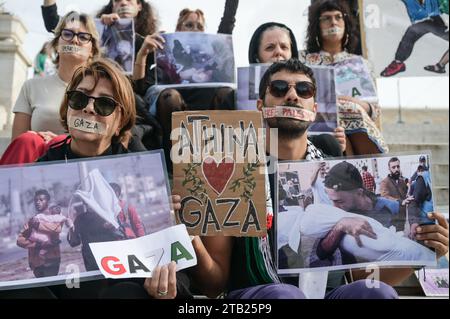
(88, 23)
(184, 14)
(122, 92)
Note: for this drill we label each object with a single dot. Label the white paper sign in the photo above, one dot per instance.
(138, 257)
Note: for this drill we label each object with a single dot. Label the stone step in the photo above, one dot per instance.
(441, 197)
(439, 152)
(440, 174)
(420, 134)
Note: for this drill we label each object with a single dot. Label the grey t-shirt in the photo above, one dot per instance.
(41, 99)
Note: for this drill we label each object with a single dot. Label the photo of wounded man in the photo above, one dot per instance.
(353, 213)
(195, 58)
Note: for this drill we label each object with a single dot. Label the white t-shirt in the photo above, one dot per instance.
(41, 98)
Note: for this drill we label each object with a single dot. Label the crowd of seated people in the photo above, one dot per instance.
(137, 115)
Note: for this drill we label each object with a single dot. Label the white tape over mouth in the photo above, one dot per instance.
(126, 10)
(333, 31)
(87, 125)
(73, 49)
(289, 112)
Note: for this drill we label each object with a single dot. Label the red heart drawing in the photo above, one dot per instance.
(217, 175)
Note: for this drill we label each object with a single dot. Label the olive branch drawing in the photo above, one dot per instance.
(198, 186)
(247, 182)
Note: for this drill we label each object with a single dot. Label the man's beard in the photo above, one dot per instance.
(396, 176)
(289, 128)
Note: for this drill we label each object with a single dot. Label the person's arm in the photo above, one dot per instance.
(22, 240)
(136, 222)
(339, 134)
(328, 245)
(50, 15)
(21, 124)
(434, 236)
(73, 236)
(367, 107)
(213, 264)
(353, 226)
(51, 228)
(315, 174)
(420, 191)
(150, 44)
(229, 17)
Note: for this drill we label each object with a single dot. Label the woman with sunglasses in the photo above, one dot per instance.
(97, 111)
(273, 42)
(146, 36)
(332, 37)
(36, 123)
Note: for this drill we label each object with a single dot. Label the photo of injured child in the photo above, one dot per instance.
(191, 58)
(354, 213)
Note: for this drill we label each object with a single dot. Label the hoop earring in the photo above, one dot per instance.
(346, 41)
(318, 42)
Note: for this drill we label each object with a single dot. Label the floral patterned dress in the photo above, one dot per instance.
(352, 117)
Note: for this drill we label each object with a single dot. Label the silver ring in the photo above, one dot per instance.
(162, 293)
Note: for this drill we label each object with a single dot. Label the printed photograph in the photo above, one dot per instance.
(413, 35)
(348, 214)
(353, 79)
(434, 282)
(117, 42)
(51, 213)
(194, 58)
(249, 79)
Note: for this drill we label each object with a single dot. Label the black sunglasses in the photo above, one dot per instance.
(103, 106)
(280, 88)
(83, 37)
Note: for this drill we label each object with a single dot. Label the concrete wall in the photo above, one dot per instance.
(14, 66)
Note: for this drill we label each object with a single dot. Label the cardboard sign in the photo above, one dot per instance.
(218, 157)
(51, 212)
(336, 214)
(249, 79)
(139, 257)
(353, 79)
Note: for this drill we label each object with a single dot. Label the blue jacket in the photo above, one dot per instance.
(418, 12)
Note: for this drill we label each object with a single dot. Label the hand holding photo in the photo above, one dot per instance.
(117, 41)
(195, 59)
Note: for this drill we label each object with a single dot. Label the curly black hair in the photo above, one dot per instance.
(146, 21)
(350, 42)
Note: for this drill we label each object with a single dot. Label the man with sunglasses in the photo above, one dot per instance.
(245, 265)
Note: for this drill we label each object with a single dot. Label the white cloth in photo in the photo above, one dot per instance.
(318, 220)
(100, 197)
(320, 195)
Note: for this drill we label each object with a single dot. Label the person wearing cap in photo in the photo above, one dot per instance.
(345, 188)
(423, 163)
